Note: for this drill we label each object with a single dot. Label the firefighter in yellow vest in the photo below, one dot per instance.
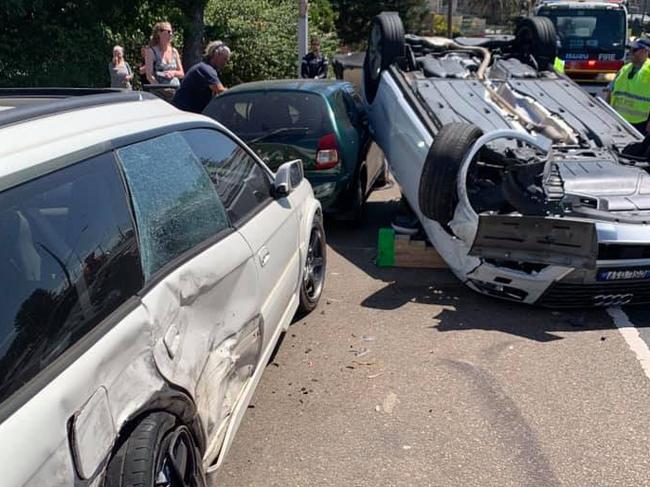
(630, 91)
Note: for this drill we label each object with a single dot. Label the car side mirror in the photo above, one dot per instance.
(288, 176)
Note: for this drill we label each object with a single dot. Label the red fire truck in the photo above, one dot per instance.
(592, 35)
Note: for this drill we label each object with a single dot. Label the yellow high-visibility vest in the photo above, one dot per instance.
(631, 97)
(558, 64)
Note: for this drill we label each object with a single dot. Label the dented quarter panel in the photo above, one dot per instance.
(225, 375)
(198, 312)
(121, 363)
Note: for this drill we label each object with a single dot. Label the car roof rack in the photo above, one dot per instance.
(64, 100)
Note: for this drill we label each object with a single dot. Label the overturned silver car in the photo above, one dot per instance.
(524, 183)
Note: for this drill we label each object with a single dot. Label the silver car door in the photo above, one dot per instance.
(269, 225)
(201, 279)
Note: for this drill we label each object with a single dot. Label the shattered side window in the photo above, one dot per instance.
(176, 205)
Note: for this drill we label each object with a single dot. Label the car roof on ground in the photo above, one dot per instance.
(319, 86)
(29, 143)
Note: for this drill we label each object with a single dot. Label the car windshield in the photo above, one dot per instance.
(262, 116)
(588, 30)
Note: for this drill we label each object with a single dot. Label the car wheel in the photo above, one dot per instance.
(159, 452)
(535, 36)
(313, 276)
(437, 195)
(358, 205)
(385, 45)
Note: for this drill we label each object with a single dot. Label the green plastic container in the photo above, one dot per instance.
(386, 247)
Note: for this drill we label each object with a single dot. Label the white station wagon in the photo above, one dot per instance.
(149, 262)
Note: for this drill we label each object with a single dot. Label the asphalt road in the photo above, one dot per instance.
(406, 377)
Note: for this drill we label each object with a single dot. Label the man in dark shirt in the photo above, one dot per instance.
(202, 82)
(314, 65)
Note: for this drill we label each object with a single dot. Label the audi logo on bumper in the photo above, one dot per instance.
(612, 299)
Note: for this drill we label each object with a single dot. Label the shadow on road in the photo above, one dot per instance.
(463, 309)
(359, 247)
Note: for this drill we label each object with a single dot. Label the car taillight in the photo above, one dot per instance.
(328, 154)
(594, 65)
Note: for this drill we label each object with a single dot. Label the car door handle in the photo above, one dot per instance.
(264, 256)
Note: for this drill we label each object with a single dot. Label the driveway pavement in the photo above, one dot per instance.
(406, 377)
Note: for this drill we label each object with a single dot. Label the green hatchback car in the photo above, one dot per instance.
(322, 122)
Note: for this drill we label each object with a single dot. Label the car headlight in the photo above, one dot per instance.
(606, 77)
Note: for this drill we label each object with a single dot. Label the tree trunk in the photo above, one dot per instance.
(193, 32)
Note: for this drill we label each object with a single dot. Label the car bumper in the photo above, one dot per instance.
(333, 193)
(613, 281)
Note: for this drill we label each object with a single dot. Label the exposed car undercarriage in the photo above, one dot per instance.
(524, 171)
(581, 175)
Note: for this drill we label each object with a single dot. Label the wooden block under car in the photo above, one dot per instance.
(416, 253)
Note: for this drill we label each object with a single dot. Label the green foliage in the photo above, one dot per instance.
(69, 43)
(355, 17)
(322, 16)
(260, 33)
(500, 11)
(263, 35)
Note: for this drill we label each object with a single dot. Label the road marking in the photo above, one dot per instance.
(632, 337)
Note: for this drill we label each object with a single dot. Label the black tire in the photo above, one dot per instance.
(385, 45)
(142, 457)
(437, 195)
(358, 206)
(536, 37)
(313, 278)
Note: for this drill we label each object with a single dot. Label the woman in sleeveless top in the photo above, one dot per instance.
(162, 62)
(119, 69)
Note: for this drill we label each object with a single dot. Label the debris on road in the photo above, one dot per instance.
(361, 352)
(367, 364)
(389, 403)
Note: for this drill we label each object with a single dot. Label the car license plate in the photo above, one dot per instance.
(622, 274)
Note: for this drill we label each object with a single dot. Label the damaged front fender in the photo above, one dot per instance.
(464, 205)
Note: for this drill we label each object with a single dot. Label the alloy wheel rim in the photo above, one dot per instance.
(177, 467)
(314, 266)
